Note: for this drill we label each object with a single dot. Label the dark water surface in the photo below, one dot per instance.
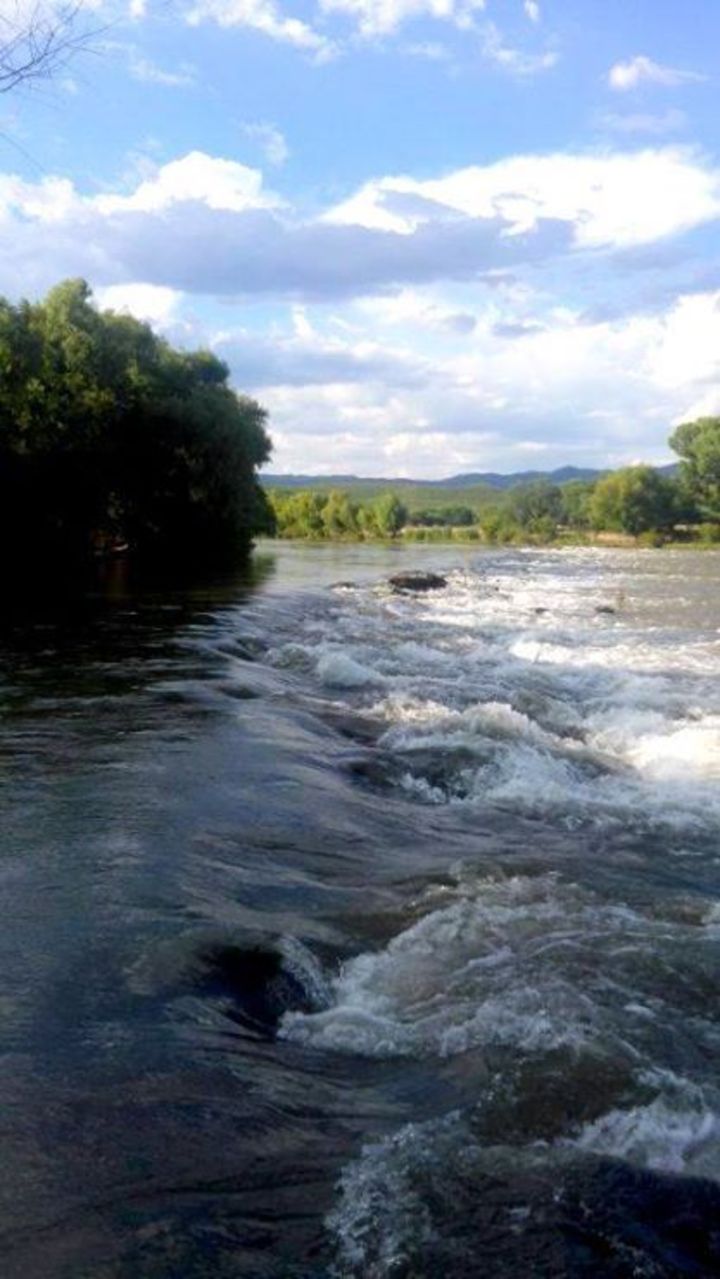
(355, 934)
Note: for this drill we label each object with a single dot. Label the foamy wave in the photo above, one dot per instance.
(667, 1136)
(509, 688)
(340, 670)
(516, 962)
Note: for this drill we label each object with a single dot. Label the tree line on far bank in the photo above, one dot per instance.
(637, 501)
(110, 439)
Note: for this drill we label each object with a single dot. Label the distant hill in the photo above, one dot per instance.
(482, 479)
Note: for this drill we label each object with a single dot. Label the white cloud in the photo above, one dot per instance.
(619, 199)
(642, 70)
(427, 339)
(218, 184)
(532, 9)
(150, 302)
(380, 17)
(209, 225)
(271, 141)
(600, 394)
(52, 199)
(267, 18)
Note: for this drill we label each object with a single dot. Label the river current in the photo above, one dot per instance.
(353, 934)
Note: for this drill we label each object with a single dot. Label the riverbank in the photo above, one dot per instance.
(472, 537)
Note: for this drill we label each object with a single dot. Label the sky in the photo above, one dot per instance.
(429, 236)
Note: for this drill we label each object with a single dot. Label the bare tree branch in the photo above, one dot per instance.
(36, 39)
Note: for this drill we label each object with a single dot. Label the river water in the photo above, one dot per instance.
(351, 933)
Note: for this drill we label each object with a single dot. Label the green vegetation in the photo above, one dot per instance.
(110, 437)
(698, 446)
(636, 504)
(336, 515)
(633, 501)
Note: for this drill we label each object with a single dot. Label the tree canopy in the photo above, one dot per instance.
(633, 500)
(698, 446)
(108, 434)
(336, 515)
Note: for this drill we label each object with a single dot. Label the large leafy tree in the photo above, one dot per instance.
(390, 514)
(698, 445)
(107, 433)
(535, 506)
(633, 500)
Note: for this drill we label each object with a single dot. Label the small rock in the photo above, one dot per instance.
(606, 609)
(417, 582)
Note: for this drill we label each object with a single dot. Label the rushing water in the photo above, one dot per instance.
(355, 934)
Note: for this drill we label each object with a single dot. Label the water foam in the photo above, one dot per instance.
(526, 962)
(569, 714)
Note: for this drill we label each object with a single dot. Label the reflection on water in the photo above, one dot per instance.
(354, 933)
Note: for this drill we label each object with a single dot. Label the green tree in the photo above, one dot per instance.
(444, 517)
(390, 514)
(633, 500)
(298, 514)
(339, 516)
(107, 432)
(698, 445)
(535, 507)
(576, 497)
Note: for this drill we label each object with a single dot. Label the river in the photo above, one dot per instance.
(349, 934)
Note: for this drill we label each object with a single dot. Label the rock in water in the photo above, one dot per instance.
(417, 582)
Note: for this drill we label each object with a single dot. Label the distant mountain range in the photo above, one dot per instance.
(491, 479)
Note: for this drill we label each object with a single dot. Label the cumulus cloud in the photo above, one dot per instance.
(598, 394)
(532, 9)
(438, 312)
(477, 224)
(642, 70)
(196, 178)
(152, 303)
(308, 359)
(611, 199)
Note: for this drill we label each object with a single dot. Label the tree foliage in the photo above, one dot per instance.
(698, 445)
(633, 500)
(336, 515)
(444, 517)
(109, 434)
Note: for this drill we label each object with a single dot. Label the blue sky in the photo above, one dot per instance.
(429, 235)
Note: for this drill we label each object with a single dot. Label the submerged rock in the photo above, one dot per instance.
(606, 609)
(258, 980)
(417, 581)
